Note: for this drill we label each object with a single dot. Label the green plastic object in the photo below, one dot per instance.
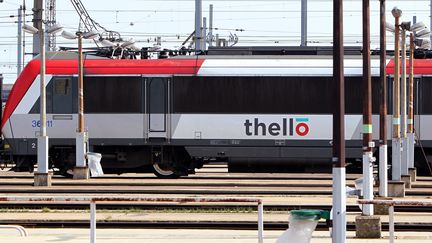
(309, 214)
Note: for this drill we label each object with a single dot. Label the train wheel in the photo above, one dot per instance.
(67, 172)
(164, 172)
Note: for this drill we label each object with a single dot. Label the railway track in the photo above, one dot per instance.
(244, 225)
(180, 207)
(239, 186)
(280, 192)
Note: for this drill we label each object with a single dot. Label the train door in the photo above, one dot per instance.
(157, 107)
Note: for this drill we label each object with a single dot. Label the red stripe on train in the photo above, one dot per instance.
(421, 66)
(102, 66)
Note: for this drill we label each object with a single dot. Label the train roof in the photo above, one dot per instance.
(65, 63)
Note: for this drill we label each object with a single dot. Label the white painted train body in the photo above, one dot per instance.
(179, 113)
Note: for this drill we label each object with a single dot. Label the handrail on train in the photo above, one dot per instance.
(94, 200)
(392, 204)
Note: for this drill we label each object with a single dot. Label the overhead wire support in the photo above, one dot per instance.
(92, 25)
(50, 20)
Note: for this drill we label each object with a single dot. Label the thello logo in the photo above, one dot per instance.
(287, 127)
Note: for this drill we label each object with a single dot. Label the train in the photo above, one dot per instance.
(174, 115)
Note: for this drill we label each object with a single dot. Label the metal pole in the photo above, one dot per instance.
(339, 173)
(383, 180)
(211, 25)
(42, 83)
(19, 44)
(93, 222)
(260, 222)
(42, 177)
(37, 23)
(80, 85)
(81, 171)
(396, 143)
(23, 33)
(411, 141)
(367, 114)
(303, 23)
(204, 34)
(403, 84)
(198, 21)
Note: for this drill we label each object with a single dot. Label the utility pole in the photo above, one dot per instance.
(80, 169)
(367, 114)
(20, 40)
(338, 160)
(211, 25)
(303, 23)
(198, 29)
(383, 188)
(37, 23)
(42, 177)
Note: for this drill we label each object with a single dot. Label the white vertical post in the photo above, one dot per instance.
(411, 145)
(403, 85)
(93, 222)
(42, 156)
(260, 222)
(383, 187)
(367, 182)
(396, 159)
(198, 21)
(80, 150)
(339, 205)
(391, 224)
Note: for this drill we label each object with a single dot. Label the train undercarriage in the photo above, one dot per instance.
(163, 161)
(174, 161)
